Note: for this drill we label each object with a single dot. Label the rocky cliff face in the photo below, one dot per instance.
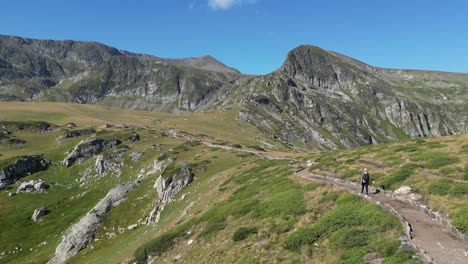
(328, 100)
(88, 72)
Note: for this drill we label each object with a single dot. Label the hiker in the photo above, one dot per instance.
(365, 181)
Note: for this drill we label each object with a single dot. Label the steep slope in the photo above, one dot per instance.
(88, 72)
(325, 99)
(169, 195)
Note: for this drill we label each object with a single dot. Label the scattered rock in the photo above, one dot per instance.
(190, 242)
(71, 125)
(11, 194)
(134, 137)
(77, 133)
(155, 215)
(408, 247)
(3, 186)
(89, 148)
(39, 213)
(403, 190)
(106, 126)
(22, 167)
(32, 186)
(177, 257)
(169, 185)
(135, 156)
(372, 258)
(131, 227)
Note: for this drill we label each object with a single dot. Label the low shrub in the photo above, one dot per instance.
(440, 187)
(437, 163)
(447, 171)
(397, 177)
(464, 149)
(350, 213)
(236, 145)
(350, 238)
(465, 173)
(393, 160)
(435, 160)
(312, 186)
(243, 232)
(350, 173)
(329, 197)
(460, 219)
(256, 147)
(459, 190)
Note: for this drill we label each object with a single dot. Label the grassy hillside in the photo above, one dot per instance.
(240, 208)
(437, 168)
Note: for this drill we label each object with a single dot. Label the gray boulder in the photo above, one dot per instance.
(32, 186)
(22, 167)
(82, 234)
(89, 148)
(84, 150)
(39, 213)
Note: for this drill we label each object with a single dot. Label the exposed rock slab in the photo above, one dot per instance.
(80, 235)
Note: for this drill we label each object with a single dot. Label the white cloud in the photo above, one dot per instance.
(226, 4)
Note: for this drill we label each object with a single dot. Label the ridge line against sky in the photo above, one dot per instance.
(254, 36)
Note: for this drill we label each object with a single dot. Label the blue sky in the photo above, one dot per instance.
(254, 36)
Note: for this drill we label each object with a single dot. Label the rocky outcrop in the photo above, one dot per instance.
(89, 148)
(33, 186)
(77, 133)
(80, 235)
(22, 167)
(170, 183)
(39, 213)
(134, 137)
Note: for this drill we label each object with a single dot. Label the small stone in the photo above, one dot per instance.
(131, 227)
(177, 257)
(39, 213)
(408, 247)
(11, 194)
(403, 238)
(190, 242)
(372, 258)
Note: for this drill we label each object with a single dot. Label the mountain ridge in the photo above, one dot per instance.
(316, 98)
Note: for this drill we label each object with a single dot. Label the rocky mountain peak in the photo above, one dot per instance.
(205, 62)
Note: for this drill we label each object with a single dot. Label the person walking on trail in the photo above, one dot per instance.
(365, 181)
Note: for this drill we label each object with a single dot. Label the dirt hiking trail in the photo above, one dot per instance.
(433, 242)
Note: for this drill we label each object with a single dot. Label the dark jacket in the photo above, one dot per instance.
(365, 178)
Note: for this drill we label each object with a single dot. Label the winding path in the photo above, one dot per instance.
(431, 239)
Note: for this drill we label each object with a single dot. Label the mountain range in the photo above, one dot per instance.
(316, 99)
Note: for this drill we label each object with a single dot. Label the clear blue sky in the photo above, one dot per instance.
(254, 36)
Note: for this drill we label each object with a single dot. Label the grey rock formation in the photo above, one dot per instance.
(134, 137)
(39, 213)
(80, 235)
(135, 156)
(32, 186)
(77, 133)
(22, 167)
(169, 184)
(89, 148)
(327, 100)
